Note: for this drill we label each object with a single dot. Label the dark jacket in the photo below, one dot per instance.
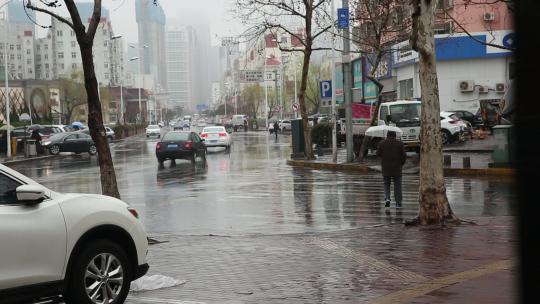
(393, 156)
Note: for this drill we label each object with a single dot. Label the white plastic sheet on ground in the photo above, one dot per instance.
(154, 282)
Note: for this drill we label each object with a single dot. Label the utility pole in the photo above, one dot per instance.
(276, 88)
(347, 90)
(6, 75)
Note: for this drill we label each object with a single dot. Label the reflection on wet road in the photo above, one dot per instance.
(252, 190)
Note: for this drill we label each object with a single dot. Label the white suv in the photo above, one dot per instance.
(87, 248)
(452, 128)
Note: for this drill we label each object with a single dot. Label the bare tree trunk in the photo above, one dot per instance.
(434, 206)
(303, 109)
(95, 123)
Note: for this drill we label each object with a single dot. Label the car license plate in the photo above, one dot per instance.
(213, 141)
(172, 146)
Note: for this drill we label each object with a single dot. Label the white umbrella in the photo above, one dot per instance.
(5, 127)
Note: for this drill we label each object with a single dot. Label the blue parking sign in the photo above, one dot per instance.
(325, 88)
(343, 18)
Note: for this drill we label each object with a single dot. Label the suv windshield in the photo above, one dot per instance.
(153, 127)
(406, 115)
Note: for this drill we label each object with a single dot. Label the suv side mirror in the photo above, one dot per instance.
(30, 194)
(389, 118)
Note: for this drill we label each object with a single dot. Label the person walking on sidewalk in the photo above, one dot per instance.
(276, 128)
(393, 157)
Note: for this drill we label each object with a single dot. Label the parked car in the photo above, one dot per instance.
(474, 119)
(452, 128)
(86, 247)
(153, 130)
(64, 128)
(75, 142)
(108, 132)
(216, 137)
(180, 145)
(285, 125)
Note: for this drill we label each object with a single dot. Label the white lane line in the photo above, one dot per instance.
(165, 301)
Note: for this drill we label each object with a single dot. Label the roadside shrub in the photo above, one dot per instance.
(321, 134)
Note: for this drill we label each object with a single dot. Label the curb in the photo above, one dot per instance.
(468, 151)
(503, 172)
(27, 159)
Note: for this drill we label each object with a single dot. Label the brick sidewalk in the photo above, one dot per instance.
(378, 264)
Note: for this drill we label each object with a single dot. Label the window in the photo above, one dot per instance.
(30, 71)
(12, 57)
(72, 33)
(73, 55)
(106, 65)
(11, 47)
(28, 52)
(18, 47)
(38, 57)
(512, 70)
(29, 61)
(384, 113)
(60, 55)
(47, 75)
(8, 187)
(105, 43)
(73, 44)
(74, 66)
(46, 46)
(19, 56)
(60, 44)
(61, 66)
(46, 56)
(59, 33)
(106, 75)
(406, 89)
(38, 47)
(47, 66)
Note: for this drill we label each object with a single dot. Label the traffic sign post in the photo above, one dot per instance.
(253, 76)
(325, 89)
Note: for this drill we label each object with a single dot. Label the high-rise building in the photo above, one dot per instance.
(179, 66)
(20, 37)
(58, 54)
(151, 25)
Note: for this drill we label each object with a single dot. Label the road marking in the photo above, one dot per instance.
(422, 289)
(366, 260)
(165, 301)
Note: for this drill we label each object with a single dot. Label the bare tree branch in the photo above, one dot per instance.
(29, 5)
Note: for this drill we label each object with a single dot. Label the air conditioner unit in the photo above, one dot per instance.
(489, 16)
(466, 85)
(483, 89)
(500, 87)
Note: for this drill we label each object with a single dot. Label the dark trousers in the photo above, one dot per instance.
(397, 188)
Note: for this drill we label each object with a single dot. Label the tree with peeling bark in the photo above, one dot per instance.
(286, 16)
(434, 206)
(85, 38)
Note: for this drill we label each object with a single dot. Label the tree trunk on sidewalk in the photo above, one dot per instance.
(95, 124)
(303, 109)
(85, 38)
(434, 206)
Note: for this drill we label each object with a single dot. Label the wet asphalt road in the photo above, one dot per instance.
(252, 190)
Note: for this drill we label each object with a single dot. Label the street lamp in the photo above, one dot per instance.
(120, 80)
(8, 150)
(140, 72)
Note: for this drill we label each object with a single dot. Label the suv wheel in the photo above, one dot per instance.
(55, 149)
(101, 273)
(446, 136)
(92, 150)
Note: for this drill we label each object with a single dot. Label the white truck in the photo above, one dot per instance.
(402, 116)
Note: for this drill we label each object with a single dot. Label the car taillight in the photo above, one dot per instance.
(453, 121)
(188, 145)
(204, 135)
(158, 146)
(133, 212)
(222, 134)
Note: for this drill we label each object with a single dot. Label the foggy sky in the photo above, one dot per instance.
(214, 12)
